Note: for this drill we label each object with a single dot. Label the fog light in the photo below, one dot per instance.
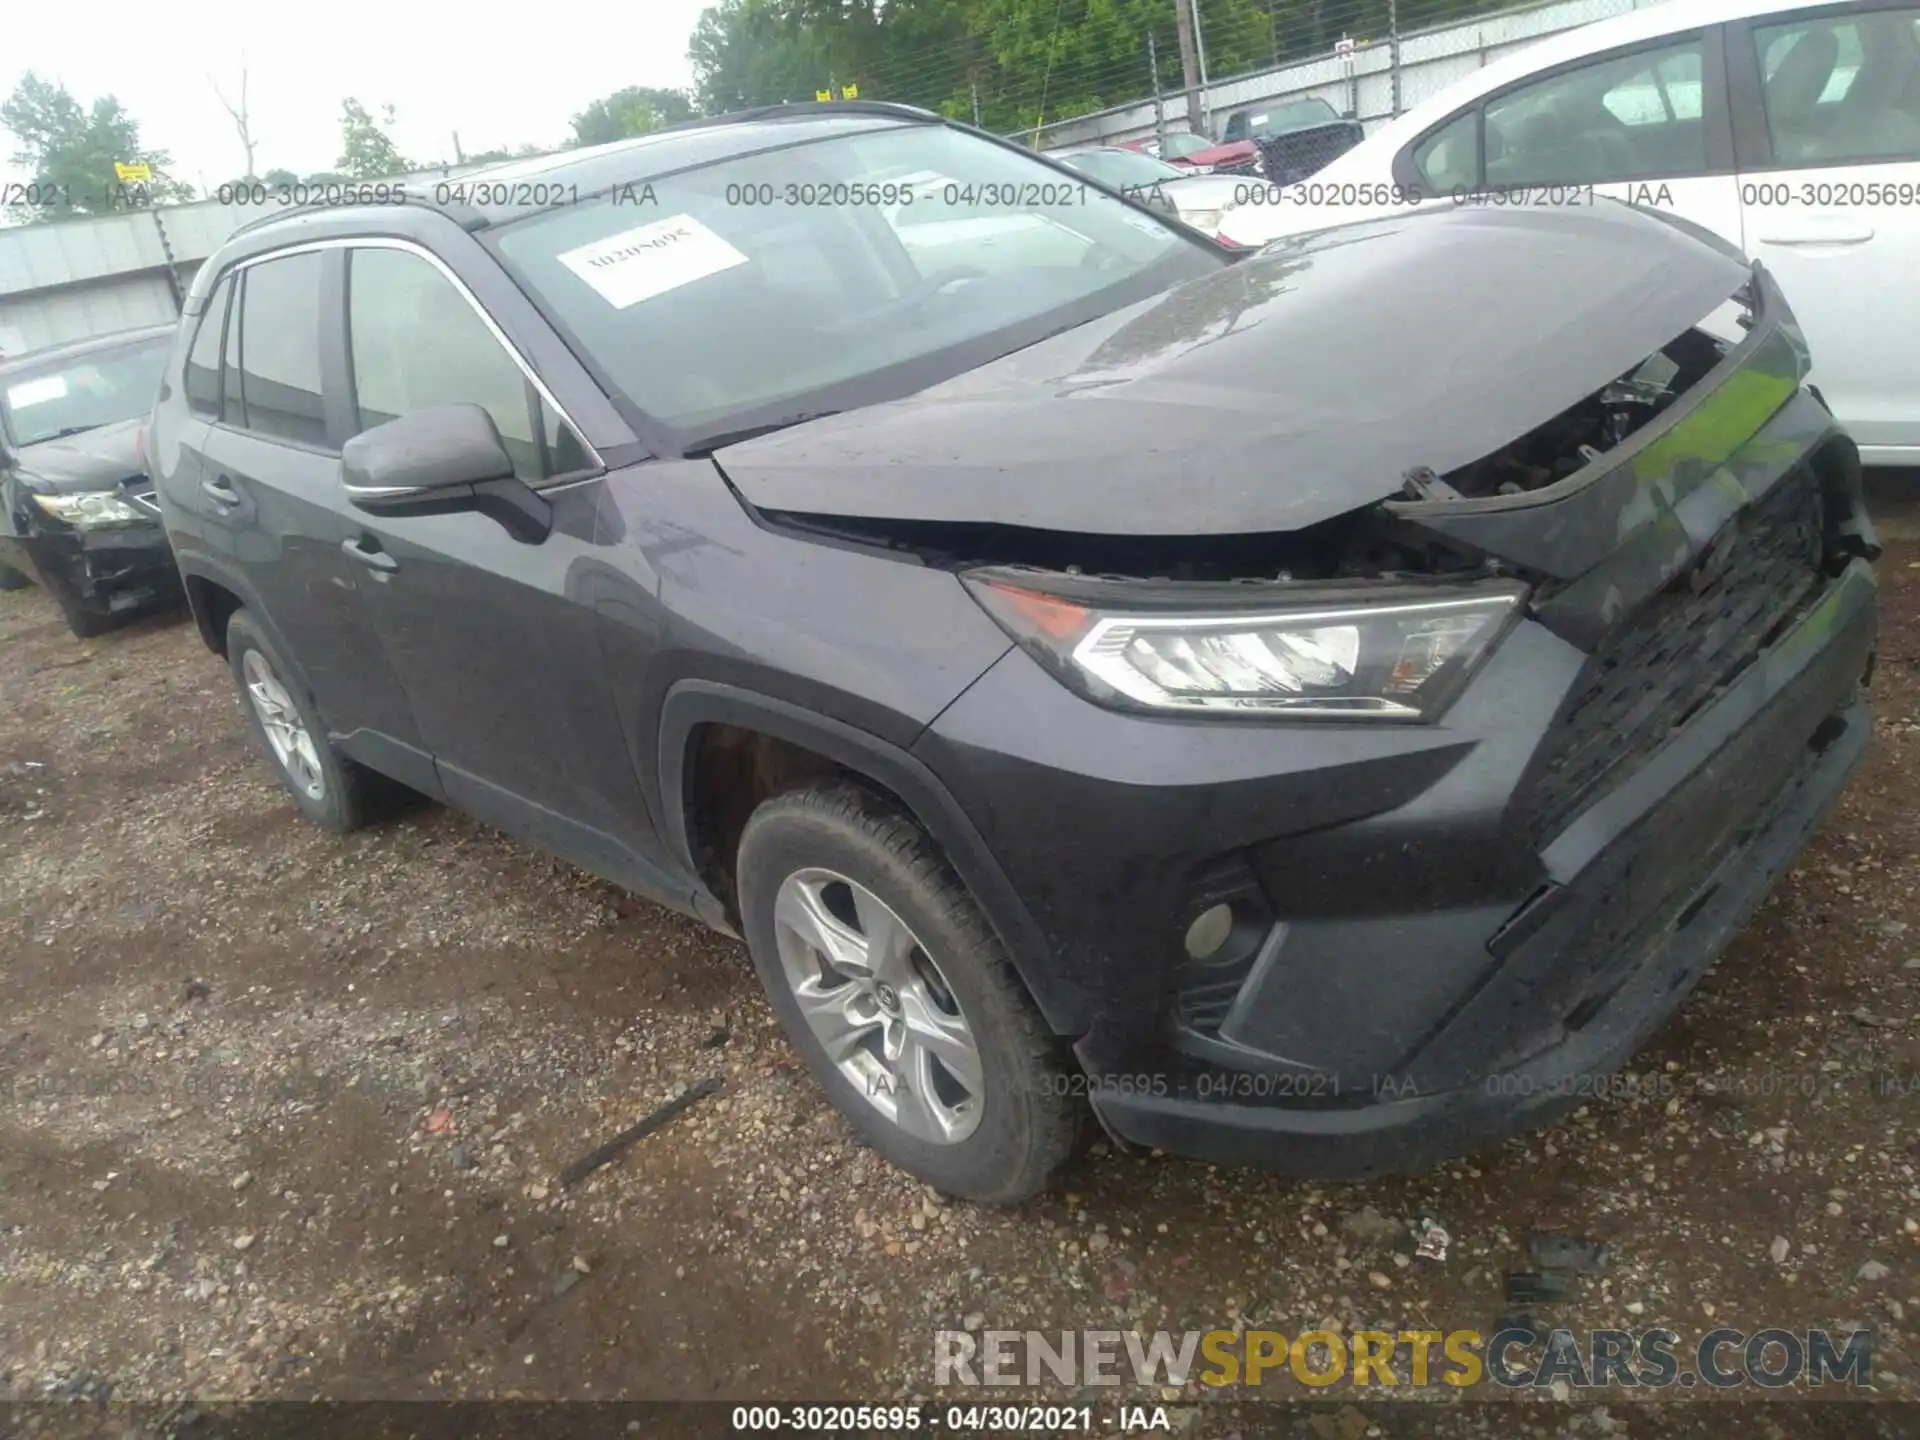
(1210, 929)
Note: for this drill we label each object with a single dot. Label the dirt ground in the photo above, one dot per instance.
(284, 1114)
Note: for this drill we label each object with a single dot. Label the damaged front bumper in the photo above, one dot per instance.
(104, 572)
(1442, 934)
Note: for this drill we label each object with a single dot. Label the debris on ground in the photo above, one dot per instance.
(1431, 1240)
(1567, 1252)
(631, 1136)
(1534, 1287)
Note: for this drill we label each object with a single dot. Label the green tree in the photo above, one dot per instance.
(367, 151)
(1013, 63)
(70, 152)
(632, 111)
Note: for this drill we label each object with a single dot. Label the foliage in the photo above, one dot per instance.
(367, 151)
(635, 110)
(70, 152)
(1013, 63)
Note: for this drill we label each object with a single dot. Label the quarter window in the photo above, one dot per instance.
(1842, 88)
(1448, 160)
(1632, 117)
(202, 378)
(416, 342)
(233, 410)
(280, 349)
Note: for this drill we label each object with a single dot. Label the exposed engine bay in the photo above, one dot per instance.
(1577, 436)
(1367, 543)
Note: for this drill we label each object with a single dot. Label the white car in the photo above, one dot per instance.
(1792, 131)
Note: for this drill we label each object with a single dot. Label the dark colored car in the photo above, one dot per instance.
(1295, 138)
(1325, 707)
(77, 511)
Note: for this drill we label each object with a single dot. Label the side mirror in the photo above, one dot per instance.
(439, 461)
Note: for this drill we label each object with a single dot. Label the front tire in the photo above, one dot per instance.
(331, 790)
(896, 991)
(12, 579)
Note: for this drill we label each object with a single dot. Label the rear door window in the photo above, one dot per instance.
(280, 349)
(202, 377)
(1842, 88)
(1631, 117)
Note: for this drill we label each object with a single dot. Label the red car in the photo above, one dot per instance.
(1199, 154)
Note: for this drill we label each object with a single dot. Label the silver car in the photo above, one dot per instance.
(1197, 200)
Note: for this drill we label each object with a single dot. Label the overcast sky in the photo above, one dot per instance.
(500, 75)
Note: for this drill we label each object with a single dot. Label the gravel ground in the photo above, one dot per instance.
(285, 1114)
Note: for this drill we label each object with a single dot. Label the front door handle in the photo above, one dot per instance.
(367, 551)
(220, 490)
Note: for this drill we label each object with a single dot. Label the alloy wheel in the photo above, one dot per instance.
(879, 1006)
(280, 722)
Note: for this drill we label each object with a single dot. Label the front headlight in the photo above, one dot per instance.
(1206, 220)
(97, 510)
(1404, 652)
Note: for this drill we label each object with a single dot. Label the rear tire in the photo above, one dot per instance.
(11, 579)
(332, 791)
(976, 1100)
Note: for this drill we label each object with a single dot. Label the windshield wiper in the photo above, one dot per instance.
(711, 443)
(70, 430)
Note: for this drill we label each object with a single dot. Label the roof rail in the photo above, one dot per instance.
(463, 215)
(796, 109)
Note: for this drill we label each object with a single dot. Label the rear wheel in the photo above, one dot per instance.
(331, 790)
(896, 991)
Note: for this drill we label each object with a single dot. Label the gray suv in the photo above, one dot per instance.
(1302, 706)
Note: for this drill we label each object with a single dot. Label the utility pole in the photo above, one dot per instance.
(1186, 24)
(1200, 49)
(1393, 56)
(459, 156)
(1159, 105)
(973, 89)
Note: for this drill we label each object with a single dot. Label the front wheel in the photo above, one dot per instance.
(331, 790)
(12, 579)
(895, 990)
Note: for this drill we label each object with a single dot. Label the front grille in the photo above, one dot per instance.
(1654, 671)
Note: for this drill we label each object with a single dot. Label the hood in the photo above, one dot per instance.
(1291, 387)
(1224, 154)
(92, 460)
(1204, 192)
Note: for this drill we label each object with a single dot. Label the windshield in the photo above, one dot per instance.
(82, 392)
(1294, 115)
(1122, 169)
(838, 272)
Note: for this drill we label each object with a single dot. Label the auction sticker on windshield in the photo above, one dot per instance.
(650, 260)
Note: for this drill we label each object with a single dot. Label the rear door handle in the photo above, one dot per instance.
(220, 490)
(367, 551)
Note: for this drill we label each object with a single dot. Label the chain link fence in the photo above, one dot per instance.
(1370, 60)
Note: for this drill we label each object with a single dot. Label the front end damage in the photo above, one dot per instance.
(1346, 947)
(97, 567)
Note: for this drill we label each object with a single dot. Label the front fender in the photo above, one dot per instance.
(691, 704)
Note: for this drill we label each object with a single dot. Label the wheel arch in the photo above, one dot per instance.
(213, 595)
(693, 709)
